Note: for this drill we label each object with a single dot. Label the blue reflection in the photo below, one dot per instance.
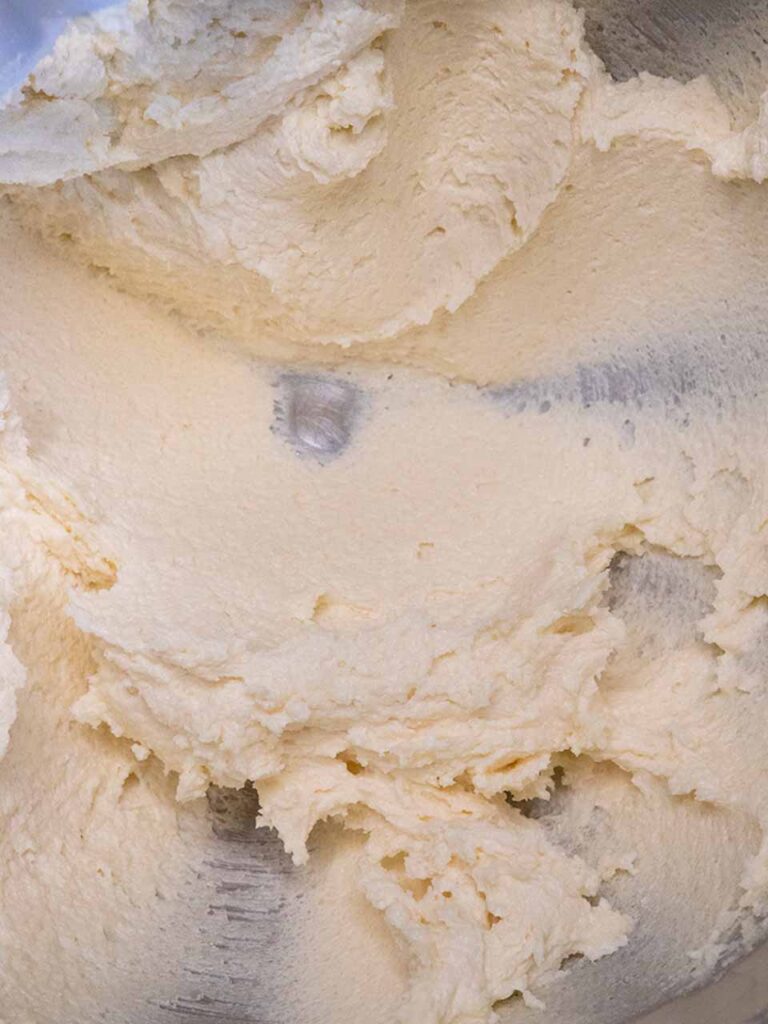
(28, 30)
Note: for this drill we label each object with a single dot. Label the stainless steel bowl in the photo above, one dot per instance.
(220, 950)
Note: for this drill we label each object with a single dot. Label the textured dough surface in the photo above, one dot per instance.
(388, 191)
(416, 637)
(142, 81)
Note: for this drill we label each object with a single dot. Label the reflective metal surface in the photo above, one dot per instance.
(316, 413)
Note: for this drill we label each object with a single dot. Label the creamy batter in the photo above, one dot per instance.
(452, 214)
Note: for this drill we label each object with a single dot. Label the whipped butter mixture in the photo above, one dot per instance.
(526, 280)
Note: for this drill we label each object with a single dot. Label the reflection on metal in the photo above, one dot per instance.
(316, 413)
(245, 886)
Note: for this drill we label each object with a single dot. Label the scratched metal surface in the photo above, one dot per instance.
(724, 39)
(233, 917)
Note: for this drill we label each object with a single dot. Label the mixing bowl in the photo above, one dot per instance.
(218, 953)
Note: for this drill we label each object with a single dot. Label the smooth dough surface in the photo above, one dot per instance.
(417, 636)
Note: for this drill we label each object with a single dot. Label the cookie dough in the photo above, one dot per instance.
(416, 629)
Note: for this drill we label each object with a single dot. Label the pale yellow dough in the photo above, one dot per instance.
(390, 190)
(401, 636)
